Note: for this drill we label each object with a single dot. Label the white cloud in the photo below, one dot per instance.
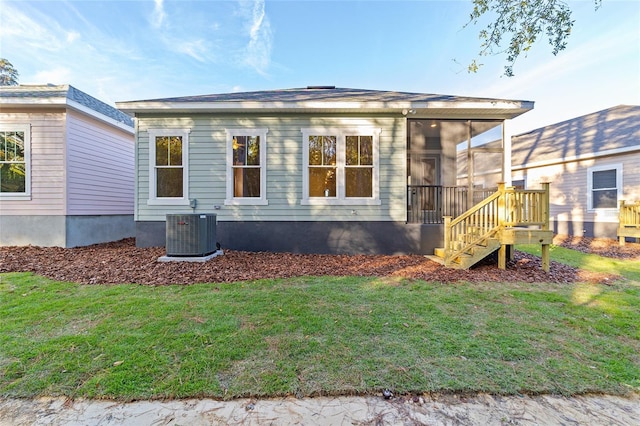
(72, 36)
(59, 75)
(258, 54)
(30, 32)
(159, 15)
(197, 49)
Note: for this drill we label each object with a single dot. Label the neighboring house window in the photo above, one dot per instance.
(168, 166)
(604, 186)
(518, 183)
(341, 166)
(15, 162)
(246, 167)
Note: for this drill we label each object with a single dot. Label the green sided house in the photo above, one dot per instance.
(312, 170)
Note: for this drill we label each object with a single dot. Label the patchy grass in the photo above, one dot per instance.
(312, 336)
(629, 269)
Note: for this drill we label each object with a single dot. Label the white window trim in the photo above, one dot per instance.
(26, 195)
(247, 201)
(619, 185)
(340, 199)
(168, 201)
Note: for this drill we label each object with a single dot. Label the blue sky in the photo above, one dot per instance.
(132, 50)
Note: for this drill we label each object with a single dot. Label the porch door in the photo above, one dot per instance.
(424, 175)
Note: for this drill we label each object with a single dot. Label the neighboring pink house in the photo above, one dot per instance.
(67, 168)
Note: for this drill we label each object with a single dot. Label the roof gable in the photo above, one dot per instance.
(613, 129)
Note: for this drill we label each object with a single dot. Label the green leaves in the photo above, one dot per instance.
(522, 22)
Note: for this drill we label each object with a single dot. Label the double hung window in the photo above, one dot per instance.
(341, 166)
(15, 165)
(168, 166)
(605, 186)
(246, 167)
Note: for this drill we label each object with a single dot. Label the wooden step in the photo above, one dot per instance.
(439, 252)
(473, 255)
(478, 253)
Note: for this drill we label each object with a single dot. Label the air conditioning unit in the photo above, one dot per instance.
(191, 234)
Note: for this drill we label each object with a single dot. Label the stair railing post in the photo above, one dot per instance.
(502, 210)
(545, 206)
(621, 223)
(447, 238)
(546, 262)
(502, 216)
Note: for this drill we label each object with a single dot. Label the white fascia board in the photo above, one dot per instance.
(493, 104)
(502, 109)
(573, 158)
(45, 102)
(262, 106)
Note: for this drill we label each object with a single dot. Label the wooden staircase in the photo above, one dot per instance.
(507, 217)
(472, 255)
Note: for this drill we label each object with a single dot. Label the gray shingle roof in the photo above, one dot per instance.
(329, 99)
(319, 94)
(47, 94)
(610, 129)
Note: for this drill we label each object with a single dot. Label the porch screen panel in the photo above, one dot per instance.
(322, 166)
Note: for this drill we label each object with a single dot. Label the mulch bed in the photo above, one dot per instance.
(600, 246)
(123, 262)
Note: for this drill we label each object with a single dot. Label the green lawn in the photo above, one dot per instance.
(311, 336)
(627, 268)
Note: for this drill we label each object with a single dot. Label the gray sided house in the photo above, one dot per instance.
(591, 161)
(67, 168)
(311, 170)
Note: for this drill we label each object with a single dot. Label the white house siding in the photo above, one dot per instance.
(100, 167)
(47, 164)
(207, 169)
(568, 193)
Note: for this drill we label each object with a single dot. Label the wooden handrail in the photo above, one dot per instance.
(526, 207)
(472, 227)
(629, 214)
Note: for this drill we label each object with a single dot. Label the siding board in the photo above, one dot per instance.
(100, 168)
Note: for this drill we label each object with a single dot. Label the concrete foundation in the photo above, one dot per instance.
(64, 231)
(586, 229)
(313, 237)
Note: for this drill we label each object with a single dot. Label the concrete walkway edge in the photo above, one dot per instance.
(445, 409)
